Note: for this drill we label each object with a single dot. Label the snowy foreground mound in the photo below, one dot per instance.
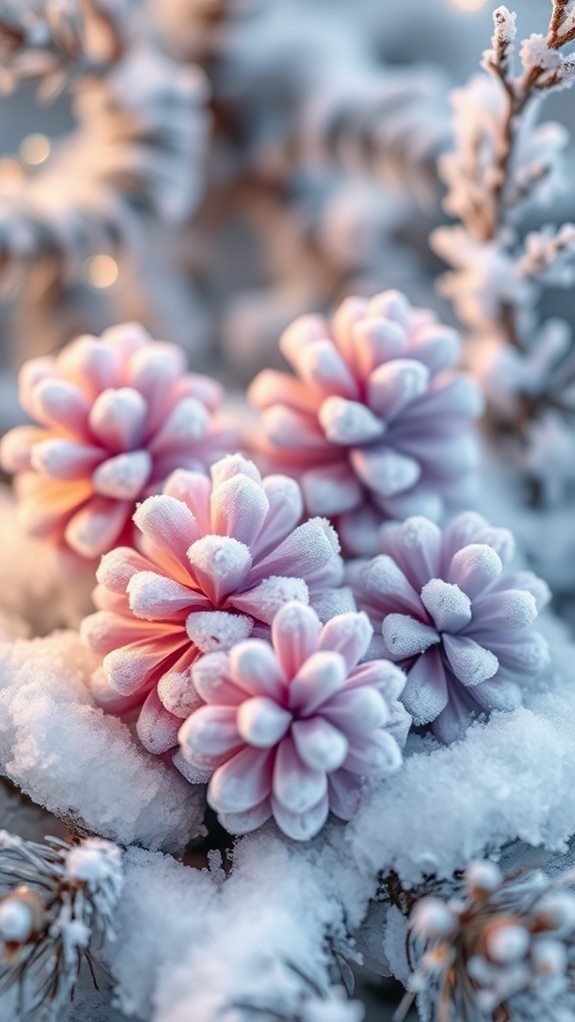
(192, 942)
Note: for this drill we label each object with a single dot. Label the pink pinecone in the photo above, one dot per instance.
(219, 557)
(292, 729)
(116, 416)
(376, 425)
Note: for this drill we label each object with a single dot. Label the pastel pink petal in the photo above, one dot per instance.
(385, 471)
(301, 826)
(421, 499)
(321, 365)
(156, 728)
(393, 305)
(97, 526)
(356, 711)
(125, 339)
(152, 370)
(262, 722)
(318, 679)
(60, 403)
(238, 508)
(375, 755)
(386, 677)
(177, 692)
(123, 477)
(18, 445)
(348, 422)
(416, 546)
(214, 630)
(530, 583)
(155, 597)
(448, 605)
(193, 489)
(118, 566)
(474, 568)
(118, 418)
(170, 527)
(458, 396)
(186, 424)
(287, 429)
(202, 388)
(296, 786)
(527, 657)
(303, 331)
(234, 465)
(46, 504)
(498, 694)
(387, 587)
(193, 774)
(95, 365)
(254, 667)
(359, 529)
(295, 635)
(31, 373)
(219, 565)
(319, 744)
(265, 600)
(425, 694)
(344, 790)
(344, 322)
(210, 731)
(105, 631)
(303, 554)
(285, 511)
(246, 822)
(469, 661)
(130, 668)
(213, 682)
(108, 699)
(331, 489)
(349, 635)
(376, 341)
(105, 599)
(436, 345)
(65, 459)
(394, 385)
(243, 782)
(508, 610)
(271, 387)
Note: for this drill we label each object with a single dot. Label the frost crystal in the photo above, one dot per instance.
(291, 730)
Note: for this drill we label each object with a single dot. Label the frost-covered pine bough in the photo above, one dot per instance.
(321, 716)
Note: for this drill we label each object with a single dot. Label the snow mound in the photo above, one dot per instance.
(76, 761)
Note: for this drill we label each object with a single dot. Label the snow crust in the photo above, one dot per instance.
(64, 752)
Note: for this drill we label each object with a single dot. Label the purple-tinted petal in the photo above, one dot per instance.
(295, 634)
(318, 679)
(469, 661)
(425, 694)
(254, 667)
(243, 782)
(296, 786)
(448, 605)
(319, 744)
(350, 635)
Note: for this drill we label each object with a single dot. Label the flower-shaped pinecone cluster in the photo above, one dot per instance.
(117, 415)
(454, 616)
(376, 425)
(219, 557)
(291, 729)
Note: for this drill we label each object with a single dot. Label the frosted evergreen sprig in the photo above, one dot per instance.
(314, 1003)
(55, 899)
(505, 163)
(500, 949)
(49, 43)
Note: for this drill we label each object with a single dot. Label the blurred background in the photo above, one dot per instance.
(213, 168)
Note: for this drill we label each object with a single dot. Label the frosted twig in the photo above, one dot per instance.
(53, 42)
(55, 899)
